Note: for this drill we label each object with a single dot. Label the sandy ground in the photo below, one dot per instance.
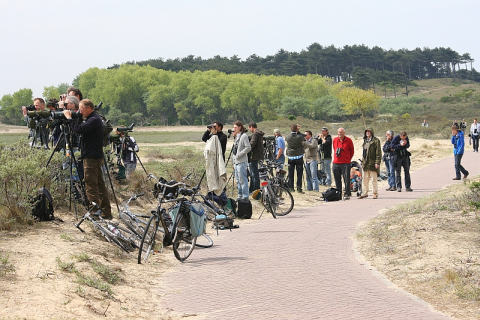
(39, 289)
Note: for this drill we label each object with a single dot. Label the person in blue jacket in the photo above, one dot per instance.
(458, 148)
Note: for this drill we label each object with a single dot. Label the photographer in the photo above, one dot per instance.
(38, 126)
(240, 149)
(343, 153)
(216, 129)
(256, 143)
(92, 154)
(311, 161)
(399, 146)
(325, 147)
(295, 157)
(127, 148)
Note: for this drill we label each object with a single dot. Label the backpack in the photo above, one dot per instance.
(332, 194)
(43, 205)
(244, 209)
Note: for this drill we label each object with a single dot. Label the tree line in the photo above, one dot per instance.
(150, 96)
(332, 62)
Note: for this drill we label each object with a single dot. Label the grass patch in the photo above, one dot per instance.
(5, 265)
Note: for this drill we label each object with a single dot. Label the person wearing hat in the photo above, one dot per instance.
(325, 149)
(279, 148)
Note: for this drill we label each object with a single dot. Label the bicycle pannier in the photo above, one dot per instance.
(198, 220)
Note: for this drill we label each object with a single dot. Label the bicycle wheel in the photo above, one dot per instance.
(130, 239)
(111, 237)
(204, 241)
(135, 224)
(267, 202)
(183, 241)
(147, 245)
(283, 201)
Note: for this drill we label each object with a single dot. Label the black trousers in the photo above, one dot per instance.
(342, 170)
(296, 164)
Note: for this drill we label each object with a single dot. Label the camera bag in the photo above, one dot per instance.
(244, 208)
(42, 209)
(332, 194)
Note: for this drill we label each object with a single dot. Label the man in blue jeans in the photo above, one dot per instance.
(256, 144)
(458, 149)
(310, 145)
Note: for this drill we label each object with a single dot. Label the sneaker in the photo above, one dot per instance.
(389, 189)
(465, 176)
(408, 189)
(363, 196)
(456, 179)
(399, 190)
(300, 191)
(393, 189)
(346, 198)
(107, 216)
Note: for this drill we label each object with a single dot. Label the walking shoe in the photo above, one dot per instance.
(389, 189)
(300, 191)
(399, 190)
(393, 189)
(456, 179)
(375, 196)
(363, 196)
(408, 189)
(465, 176)
(346, 198)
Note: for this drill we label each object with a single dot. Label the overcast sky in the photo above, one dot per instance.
(48, 42)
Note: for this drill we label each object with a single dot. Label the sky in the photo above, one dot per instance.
(48, 42)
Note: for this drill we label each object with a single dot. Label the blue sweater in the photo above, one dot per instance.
(458, 143)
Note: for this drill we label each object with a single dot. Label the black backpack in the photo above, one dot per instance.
(43, 205)
(332, 194)
(244, 209)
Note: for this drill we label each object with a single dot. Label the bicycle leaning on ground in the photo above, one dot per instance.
(175, 224)
(112, 231)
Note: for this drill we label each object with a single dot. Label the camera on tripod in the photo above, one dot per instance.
(126, 129)
(59, 115)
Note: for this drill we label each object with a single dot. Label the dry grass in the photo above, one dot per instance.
(430, 248)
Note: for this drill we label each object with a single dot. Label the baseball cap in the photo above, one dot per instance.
(276, 131)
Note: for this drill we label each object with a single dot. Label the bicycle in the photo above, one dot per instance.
(275, 198)
(113, 232)
(177, 232)
(134, 222)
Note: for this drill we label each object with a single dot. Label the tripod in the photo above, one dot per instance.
(40, 134)
(66, 137)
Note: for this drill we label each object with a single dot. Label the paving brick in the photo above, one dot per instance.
(301, 266)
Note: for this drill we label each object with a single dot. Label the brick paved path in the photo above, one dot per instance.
(301, 266)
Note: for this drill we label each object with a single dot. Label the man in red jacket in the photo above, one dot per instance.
(343, 151)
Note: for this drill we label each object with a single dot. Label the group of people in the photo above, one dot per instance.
(84, 139)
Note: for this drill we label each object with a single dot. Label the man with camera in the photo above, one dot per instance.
(256, 144)
(474, 131)
(241, 147)
(310, 146)
(92, 154)
(295, 153)
(325, 147)
(399, 146)
(279, 148)
(38, 125)
(216, 129)
(343, 153)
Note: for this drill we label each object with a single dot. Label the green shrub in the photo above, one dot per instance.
(22, 173)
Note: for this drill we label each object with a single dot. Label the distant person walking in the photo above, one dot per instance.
(463, 126)
(474, 131)
(458, 149)
(424, 123)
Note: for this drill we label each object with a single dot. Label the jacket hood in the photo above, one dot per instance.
(365, 132)
(258, 132)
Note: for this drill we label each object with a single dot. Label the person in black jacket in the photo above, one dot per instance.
(325, 148)
(256, 143)
(295, 153)
(388, 159)
(92, 154)
(216, 129)
(399, 146)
